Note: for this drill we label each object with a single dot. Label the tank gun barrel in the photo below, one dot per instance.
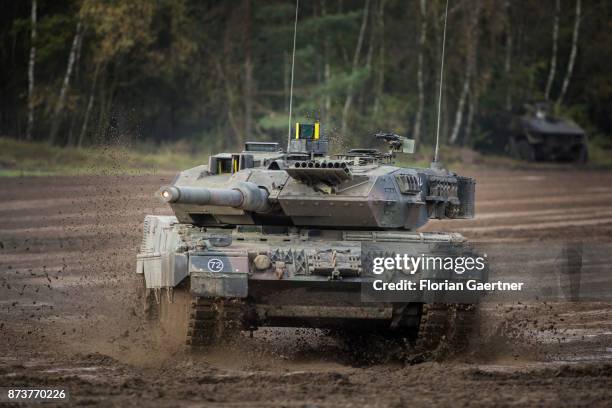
(243, 195)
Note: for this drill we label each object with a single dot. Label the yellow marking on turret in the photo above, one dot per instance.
(317, 129)
(297, 130)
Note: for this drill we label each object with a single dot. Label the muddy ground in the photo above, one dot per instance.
(69, 319)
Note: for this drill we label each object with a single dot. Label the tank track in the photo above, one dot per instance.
(445, 327)
(212, 319)
(433, 326)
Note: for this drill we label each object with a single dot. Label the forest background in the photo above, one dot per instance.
(204, 75)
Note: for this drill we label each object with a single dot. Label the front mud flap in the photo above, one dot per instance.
(210, 284)
(219, 276)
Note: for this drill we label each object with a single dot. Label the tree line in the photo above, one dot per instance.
(83, 72)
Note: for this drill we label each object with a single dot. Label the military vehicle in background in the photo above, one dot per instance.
(536, 135)
(267, 237)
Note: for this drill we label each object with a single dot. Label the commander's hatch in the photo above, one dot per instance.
(229, 163)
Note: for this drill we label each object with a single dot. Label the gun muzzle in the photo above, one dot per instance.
(244, 195)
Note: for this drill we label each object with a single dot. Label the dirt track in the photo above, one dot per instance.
(68, 315)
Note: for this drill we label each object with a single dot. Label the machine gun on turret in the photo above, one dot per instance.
(396, 142)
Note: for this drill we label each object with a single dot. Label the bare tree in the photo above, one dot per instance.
(350, 93)
(553, 57)
(61, 102)
(420, 80)
(73, 120)
(572, 59)
(472, 46)
(470, 115)
(380, 77)
(230, 96)
(31, 73)
(248, 73)
(326, 67)
(461, 105)
(286, 75)
(508, 59)
(90, 103)
(373, 34)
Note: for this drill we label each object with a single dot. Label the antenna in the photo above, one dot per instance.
(435, 160)
(297, 5)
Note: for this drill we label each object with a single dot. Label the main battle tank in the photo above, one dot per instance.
(268, 237)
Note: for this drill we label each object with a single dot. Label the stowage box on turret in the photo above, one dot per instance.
(268, 237)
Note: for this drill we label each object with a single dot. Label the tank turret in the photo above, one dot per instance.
(306, 187)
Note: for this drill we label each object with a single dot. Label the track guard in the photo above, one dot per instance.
(158, 260)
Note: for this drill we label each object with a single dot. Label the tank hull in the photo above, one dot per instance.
(291, 277)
